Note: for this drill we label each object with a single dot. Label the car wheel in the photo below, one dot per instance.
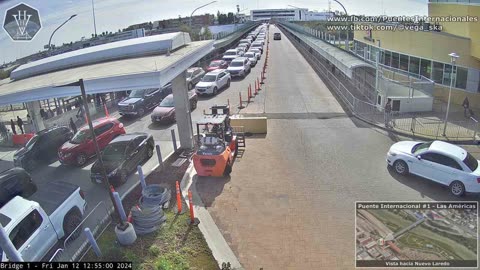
(81, 159)
(70, 223)
(194, 105)
(228, 83)
(228, 169)
(457, 188)
(149, 152)
(123, 177)
(141, 112)
(400, 167)
(29, 165)
(215, 90)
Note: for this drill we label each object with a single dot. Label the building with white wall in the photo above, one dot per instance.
(289, 14)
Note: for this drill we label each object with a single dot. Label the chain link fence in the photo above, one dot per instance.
(428, 127)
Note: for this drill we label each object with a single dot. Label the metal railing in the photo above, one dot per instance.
(416, 124)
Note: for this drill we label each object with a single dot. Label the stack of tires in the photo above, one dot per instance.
(148, 215)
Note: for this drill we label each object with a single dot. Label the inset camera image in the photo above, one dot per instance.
(416, 234)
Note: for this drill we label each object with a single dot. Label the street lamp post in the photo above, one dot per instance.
(453, 58)
(191, 15)
(94, 21)
(348, 39)
(51, 36)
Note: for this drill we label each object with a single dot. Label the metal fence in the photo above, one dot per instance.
(429, 127)
(76, 245)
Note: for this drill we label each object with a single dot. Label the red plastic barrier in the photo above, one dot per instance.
(22, 139)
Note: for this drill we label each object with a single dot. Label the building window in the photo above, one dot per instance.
(382, 57)
(388, 58)
(373, 54)
(461, 79)
(414, 66)
(447, 72)
(404, 62)
(437, 72)
(395, 60)
(426, 68)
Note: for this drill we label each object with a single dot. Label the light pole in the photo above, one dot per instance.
(94, 22)
(191, 15)
(51, 36)
(453, 58)
(348, 39)
(236, 17)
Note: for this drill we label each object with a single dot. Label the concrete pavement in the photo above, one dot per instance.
(290, 200)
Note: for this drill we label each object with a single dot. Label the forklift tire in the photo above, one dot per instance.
(228, 169)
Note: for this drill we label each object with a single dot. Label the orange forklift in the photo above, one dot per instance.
(217, 144)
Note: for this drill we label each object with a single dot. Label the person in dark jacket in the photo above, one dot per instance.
(20, 124)
(12, 126)
(73, 126)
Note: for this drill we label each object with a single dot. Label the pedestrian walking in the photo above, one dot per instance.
(73, 126)
(31, 128)
(12, 126)
(466, 107)
(3, 131)
(20, 124)
(388, 113)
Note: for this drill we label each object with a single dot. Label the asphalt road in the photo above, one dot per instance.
(290, 200)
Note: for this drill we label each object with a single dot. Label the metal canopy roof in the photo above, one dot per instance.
(118, 75)
(342, 60)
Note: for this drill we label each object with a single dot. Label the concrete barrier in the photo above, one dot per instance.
(254, 125)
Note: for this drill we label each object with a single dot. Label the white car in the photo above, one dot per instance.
(229, 55)
(239, 67)
(243, 47)
(213, 81)
(245, 41)
(257, 45)
(252, 57)
(257, 52)
(260, 40)
(438, 161)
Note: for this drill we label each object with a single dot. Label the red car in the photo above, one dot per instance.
(217, 64)
(80, 147)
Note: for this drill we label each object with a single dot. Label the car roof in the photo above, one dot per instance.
(100, 122)
(216, 71)
(16, 208)
(12, 171)
(128, 137)
(47, 130)
(448, 149)
(239, 59)
(218, 60)
(193, 68)
(231, 50)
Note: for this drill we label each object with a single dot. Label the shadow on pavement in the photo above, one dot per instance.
(161, 126)
(209, 188)
(430, 189)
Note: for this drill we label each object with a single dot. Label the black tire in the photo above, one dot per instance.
(400, 167)
(70, 223)
(457, 188)
(123, 177)
(228, 169)
(228, 84)
(193, 106)
(29, 165)
(81, 159)
(141, 112)
(149, 152)
(215, 91)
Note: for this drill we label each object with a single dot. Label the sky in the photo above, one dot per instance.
(112, 15)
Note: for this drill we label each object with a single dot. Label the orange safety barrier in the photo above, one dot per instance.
(22, 139)
(193, 221)
(249, 92)
(130, 218)
(179, 199)
(241, 102)
(262, 77)
(228, 102)
(258, 84)
(106, 110)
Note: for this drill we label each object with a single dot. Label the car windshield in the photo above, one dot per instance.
(137, 93)
(250, 55)
(115, 151)
(189, 74)
(236, 64)
(31, 142)
(167, 102)
(471, 162)
(209, 78)
(214, 64)
(81, 136)
(231, 53)
(420, 148)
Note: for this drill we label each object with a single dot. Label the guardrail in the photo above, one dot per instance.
(414, 124)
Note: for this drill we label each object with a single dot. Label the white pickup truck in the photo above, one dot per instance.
(37, 224)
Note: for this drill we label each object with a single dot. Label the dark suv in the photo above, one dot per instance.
(139, 101)
(42, 147)
(15, 182)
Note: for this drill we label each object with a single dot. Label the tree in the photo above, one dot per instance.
(207, 34)
(230, 18)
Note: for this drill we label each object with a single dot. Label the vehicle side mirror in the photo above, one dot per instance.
(419, 157)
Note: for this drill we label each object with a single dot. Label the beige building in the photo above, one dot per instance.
(421, 48)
